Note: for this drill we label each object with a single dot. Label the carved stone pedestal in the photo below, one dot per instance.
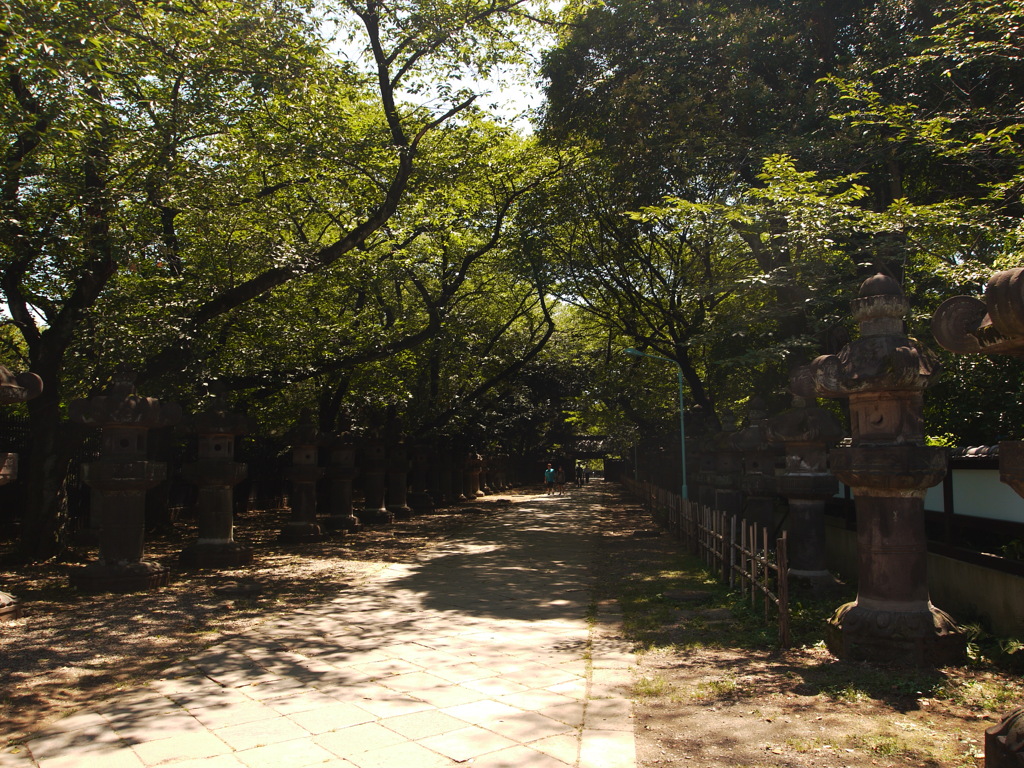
(10, 608)
(1004, 742)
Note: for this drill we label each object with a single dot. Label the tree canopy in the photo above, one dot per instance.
(309, 204)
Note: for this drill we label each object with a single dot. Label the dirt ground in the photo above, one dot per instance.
(714, 691)
(711, 689)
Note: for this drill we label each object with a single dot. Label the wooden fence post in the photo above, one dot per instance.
(782, 565)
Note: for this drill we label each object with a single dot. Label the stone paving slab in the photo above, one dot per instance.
(482, 652)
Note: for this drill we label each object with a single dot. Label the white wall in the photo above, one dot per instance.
(976, 493)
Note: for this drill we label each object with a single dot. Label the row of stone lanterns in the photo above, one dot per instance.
(122, 474)
(882, 374)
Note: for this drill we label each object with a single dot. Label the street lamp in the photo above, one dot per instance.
(682, 426)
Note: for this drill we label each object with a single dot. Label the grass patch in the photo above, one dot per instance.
(656, 685)
(718, 689)
(987, 693)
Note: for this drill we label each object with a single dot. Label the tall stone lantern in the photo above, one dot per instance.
(373, 467)
(398, 466)
(14, 389)
(995, 326)
(302, 525)
(728, 471)
(757, 454)
(806, 433)
(216, 473)
(119, 480)
(341, 472)
(883, 374)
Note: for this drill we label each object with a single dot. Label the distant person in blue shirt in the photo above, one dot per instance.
(549, 480)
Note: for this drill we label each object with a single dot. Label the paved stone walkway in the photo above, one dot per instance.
(486, 652)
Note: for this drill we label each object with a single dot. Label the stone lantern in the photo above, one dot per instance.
(473, 466)
(995, 326)
(398, 478)
(443, 490)
(216, 473)
(119, 480)
(889, 468)
(806, 433)
(14, 389)
(305, 471)
(341, 471)
(703, 449)
(757, 454)
(373, 463)
(424, 461)
(728, 468)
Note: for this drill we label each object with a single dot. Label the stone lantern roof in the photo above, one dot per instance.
(123, 408)
(883, 358)
(18, 388)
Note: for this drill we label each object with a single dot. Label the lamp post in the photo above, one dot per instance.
(682, 426)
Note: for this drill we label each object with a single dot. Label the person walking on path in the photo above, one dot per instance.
(560, 480)
(549, 480)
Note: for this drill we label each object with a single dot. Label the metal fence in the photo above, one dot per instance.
(741, 554)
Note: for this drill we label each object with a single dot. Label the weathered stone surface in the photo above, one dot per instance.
(883, 374)
(1004, 742)
(119, 480)
(341, 472)
(302, 525)
(965, 324)
(216, 473)
(806, 433)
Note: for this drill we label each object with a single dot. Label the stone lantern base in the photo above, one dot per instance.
(127, 577)
(300, 533)
(10, 608)
(216, 554)
(923, 638)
